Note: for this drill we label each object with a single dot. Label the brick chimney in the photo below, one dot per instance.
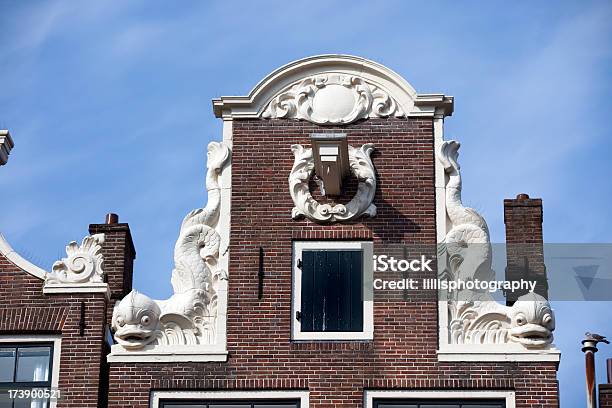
(119, 254)
(524, 243)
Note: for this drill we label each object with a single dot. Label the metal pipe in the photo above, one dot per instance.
(609, 364)
(589, 348)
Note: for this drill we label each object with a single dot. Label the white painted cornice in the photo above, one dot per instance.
(70, 288)
(10, 254)
(378, 77)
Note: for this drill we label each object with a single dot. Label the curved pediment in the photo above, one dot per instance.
(331, 90)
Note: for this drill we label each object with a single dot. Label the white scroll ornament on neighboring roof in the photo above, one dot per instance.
(82, 265)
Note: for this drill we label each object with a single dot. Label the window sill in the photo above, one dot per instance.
(354, 345)
(333, 336)
(496, 352)
(165, 354)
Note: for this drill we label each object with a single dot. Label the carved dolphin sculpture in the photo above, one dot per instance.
(467, 242)
(475, 317)
(136, 321)
(182, 319)
(530, 322)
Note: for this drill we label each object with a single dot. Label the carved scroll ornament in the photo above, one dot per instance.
(330, 99)
(361, 167)
(82, 265)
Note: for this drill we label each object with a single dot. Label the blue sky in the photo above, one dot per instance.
(109, 106)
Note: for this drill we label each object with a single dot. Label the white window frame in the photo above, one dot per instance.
(57, 351)
(507, 396)
(157, 396)
(367, 248)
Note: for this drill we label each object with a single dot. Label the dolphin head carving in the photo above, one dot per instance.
(532, 321)
(136, 321)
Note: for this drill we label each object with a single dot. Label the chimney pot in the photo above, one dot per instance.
(112, 218)
(522, 196)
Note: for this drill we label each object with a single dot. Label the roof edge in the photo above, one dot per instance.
(20, 262)
(253, 104)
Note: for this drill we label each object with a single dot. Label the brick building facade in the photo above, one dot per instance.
(250, 323)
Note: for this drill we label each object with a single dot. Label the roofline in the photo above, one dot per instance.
(253, 104)
(20, 262)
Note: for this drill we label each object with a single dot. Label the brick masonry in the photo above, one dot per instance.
(605, 395)
(523, 217)
(24, 310)
(403, 353)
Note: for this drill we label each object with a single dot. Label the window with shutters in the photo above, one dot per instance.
(332, 290)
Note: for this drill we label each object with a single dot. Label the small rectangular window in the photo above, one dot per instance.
(25, 366)
(332, 290)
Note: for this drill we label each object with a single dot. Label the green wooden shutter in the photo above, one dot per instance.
(331, 292)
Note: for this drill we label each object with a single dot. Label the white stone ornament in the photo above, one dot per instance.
(82, 265)
(188, 317)
(465, 254)
(332, 99)
(529, 322)
(361, 167)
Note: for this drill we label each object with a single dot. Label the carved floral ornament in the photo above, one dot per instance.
(82, 265)
(330, 99)
(361, 167)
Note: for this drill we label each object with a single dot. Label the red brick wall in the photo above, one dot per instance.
(523, 217)
(119, 254)
(605, 395)
(24, 310)
(403, 353)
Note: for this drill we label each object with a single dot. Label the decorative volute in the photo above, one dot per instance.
(332, 99)
(83, 263)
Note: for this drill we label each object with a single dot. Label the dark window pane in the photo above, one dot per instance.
(33, 364)
(7, 364)
(5, 401)
(31, 403)
(500, 405)
(229, 406)
(284, 405)
(439, 405)
(182, 406)
(393, 405)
